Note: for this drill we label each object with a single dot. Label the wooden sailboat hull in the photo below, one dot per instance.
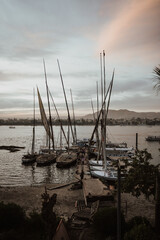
(29, 158)
(66, 160)
(46, 159)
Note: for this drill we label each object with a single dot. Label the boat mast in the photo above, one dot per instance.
(97, 116)
(93, 111)
(94, 117)
(104, 115)
(99, 143)
(60, 138)
(104, 79)
(110, 94)
(69, 118)
(68, 133)
(100, 112)
(101, 77)
(33, 137)
(50, 118)
(59, 118)
(102, 95)
(74, 121)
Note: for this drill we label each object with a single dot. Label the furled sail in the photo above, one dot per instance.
(43, 115)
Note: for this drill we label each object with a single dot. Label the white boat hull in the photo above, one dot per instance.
(105, 175)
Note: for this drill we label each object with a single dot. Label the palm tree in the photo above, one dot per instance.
(156, 72)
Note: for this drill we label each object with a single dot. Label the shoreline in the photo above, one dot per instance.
(29, 197)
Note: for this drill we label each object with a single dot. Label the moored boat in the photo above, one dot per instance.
(94, 162)
(153, 138)
(66, 159)
(46, 159)
(29, 158)
(106, 175)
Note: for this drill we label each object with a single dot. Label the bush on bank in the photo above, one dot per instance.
(15, 225)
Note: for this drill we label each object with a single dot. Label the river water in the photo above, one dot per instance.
(13, 173)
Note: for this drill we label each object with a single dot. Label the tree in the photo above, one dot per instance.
(48, 216)
(156, 72)
(141, 176)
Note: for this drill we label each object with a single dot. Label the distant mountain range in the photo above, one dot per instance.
(126, 114)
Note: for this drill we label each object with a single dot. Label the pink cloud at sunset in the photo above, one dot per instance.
(134, 28)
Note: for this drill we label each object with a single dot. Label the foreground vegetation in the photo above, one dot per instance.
(105, 226)
(16, 225)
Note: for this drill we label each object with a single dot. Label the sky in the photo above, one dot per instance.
(75, 32)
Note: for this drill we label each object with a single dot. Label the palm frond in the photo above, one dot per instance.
(156, 72)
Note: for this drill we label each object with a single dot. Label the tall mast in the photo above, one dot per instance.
(50, 118)
(60, 138)
(68, 137)
(97, 99)
(33, 137)
(101, 77)
(59, 118)
(97, 116)
(100, 112)
(104, 114)
(69, 118)
(109, 96)
(74, 121)
(104, 74)
(93, 111)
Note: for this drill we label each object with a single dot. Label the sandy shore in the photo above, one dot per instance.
(29, 197)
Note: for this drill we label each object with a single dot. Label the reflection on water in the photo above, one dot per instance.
(13, 173)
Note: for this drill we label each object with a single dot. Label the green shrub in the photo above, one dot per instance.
(137, 220)
(105, 222)
(11, 216)
(140, 232)
(35, 222)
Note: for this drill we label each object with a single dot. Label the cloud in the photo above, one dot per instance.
(135, 29)
(74, 31)
(137, 102)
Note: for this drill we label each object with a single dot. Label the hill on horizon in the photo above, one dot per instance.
(126, 114)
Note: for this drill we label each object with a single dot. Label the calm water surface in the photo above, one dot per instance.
(13, 173)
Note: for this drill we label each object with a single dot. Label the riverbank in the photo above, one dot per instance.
(29, 197)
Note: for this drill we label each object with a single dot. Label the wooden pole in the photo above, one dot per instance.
(136, 141)
(119, 204)
(157, 205)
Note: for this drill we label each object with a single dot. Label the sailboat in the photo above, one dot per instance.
(48, 155)
(30, 158)
(67, 158)
(104, 172)
(110, 153)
